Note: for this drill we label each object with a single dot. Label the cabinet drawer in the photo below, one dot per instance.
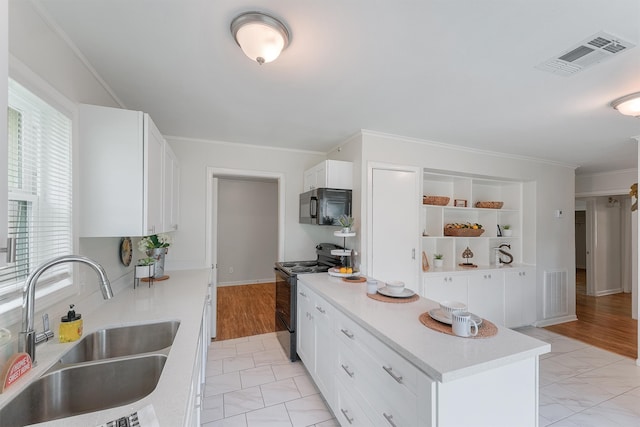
(348, 410)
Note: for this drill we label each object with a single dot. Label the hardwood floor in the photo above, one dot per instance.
(245, 310)
(604, 322)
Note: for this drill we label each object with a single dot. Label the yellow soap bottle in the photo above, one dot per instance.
(70, 326)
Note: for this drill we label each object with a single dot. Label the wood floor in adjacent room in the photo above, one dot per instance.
(245, 310)
(604, 321)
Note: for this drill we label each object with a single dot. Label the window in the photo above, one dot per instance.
(39, 188)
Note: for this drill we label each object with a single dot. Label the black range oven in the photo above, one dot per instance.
(287, 292)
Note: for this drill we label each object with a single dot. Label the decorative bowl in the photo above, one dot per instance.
(463, 232)
(449, 307)
(395, 287)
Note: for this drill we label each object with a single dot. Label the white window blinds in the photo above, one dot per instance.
(40, 187)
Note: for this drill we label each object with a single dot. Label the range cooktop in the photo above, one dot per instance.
(302, 267)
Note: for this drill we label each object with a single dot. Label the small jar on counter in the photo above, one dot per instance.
(372, 286)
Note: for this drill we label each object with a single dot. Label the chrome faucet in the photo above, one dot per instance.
(27, 340)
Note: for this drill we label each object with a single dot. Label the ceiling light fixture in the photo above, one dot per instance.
(628, 105)
(260, 36)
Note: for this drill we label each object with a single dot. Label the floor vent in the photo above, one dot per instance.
(556, 294)
(593, 50)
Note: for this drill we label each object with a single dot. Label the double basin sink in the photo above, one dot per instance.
(108, 368)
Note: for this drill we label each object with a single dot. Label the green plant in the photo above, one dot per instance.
(154, 241)
(438, 256)
(506, 227)
(346, 221)
(146, 261)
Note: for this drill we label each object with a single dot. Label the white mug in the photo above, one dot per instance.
(463, 325)
(372, 286)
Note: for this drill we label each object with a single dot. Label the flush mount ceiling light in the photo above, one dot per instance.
(260, 36)
(628, 105)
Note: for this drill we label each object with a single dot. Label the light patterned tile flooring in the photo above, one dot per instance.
(250, 383)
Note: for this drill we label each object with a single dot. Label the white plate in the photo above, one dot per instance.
(406, 293)
(439, 315)
(335, 272)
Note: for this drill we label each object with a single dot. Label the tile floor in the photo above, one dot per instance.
(250, 383)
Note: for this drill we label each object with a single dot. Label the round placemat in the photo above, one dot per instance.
(486, 329)
(356, 280)
(384, 298)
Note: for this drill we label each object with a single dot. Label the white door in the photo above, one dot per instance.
(213, 274)
(394, 226)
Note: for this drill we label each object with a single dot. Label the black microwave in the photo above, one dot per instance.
(323, 206)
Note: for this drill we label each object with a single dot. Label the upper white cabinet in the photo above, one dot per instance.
(123, 190)
(469, 191)
(329, 174)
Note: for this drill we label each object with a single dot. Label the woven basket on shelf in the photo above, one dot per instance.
(489, 205)
(463, 232)
(435, 200)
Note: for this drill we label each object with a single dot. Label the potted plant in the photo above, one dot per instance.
(346, 222)
(145, 267)
(507, 231)
(438, 260)
(156, 247)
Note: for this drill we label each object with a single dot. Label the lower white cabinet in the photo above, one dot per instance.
(520, 297)
(315, 337)
(504, 296)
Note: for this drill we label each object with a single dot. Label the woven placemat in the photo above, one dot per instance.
(384, 298)
(486, 329)
(356, 280)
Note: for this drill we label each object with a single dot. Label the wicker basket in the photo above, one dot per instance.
(435, 200)
(463, 232)
(489, 205)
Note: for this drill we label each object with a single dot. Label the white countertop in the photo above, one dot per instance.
(182, 298)
(443, 357)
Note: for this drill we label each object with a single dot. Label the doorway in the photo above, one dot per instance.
(244, 237)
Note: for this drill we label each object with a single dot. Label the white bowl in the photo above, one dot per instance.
(449, 307)
(395, 287)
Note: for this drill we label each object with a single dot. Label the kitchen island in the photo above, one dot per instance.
(377, 364)
(181, 298)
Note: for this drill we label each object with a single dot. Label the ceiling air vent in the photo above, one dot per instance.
(590, 51)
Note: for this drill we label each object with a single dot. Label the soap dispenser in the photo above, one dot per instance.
(70, 326)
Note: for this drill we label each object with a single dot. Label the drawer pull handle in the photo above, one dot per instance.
(346, 369)
(320, 309)
(389, 419)
(344, 412)
(347, 333)
(389, 371)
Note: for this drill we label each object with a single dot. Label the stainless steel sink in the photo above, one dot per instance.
(84, 388)
(123, 341)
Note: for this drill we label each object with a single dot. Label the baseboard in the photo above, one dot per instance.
(244, 282)
(555, 321)
(609, 292)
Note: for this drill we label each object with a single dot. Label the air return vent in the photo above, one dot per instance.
(590, 51)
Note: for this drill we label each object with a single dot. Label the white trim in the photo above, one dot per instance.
(555, 321)
(466, 149)
(609, 292)
(240, 144)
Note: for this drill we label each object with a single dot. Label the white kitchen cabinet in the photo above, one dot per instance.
(315, 334)
(520, 297)
(329, 174)
(122, 172)
(486, 296)
(446, 287)
(171, 190)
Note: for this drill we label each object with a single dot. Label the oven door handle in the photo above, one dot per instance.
(313, 206)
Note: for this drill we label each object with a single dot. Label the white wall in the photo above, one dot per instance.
(196, 155)
(607, 250)
(247, 231)
(606, 184)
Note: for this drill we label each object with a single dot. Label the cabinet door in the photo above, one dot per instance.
(394, 243)
(486, 296)
(309, 179)
(171, 190)
(305, 340)
(519, 297)
(446, 288)
(325, 361)
(154, 159)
